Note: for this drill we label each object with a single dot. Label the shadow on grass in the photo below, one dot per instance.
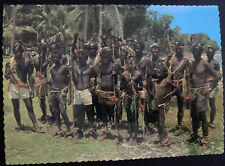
(24, 128)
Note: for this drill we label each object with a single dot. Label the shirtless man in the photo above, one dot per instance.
(163, 91)
(60, 85)
(81, 74)
(42, 76)
(212, 96)
(92, 52)
(154, 70)
(200, 71)
(19, 70)
(139, 48)
(131, 84)
(179, 71)
(106, 90)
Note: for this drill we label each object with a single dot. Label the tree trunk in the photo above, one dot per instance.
(117, 23)
(14, 29)
(100, 25)
(37, 37)
(85, 22)
(94, 22)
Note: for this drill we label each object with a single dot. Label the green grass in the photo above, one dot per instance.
(216, 136)
(29, 147)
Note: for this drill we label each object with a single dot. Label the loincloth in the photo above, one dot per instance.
(58, 95)
(104, 97)
(199, 99)
(41, 89)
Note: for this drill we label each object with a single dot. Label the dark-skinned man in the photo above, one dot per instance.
(92, 51)
(42, 78)
(131, 84)
(163, 91)
(60, 85)
(19, 70)
(106, 90)
(179, 70)
(81, 74)
(200, 71)
(138, 47)
(154, 70)
(212, 96)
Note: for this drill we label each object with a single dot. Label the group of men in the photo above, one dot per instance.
(102, 82)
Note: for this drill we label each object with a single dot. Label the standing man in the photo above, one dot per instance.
(19, 70)
(131, 83)
(212, 96)
(179, 69)
(154, 70)
(200, 71)
(92, 51)
(42, 77)
(81, 74)
(163, 91)
(60, 86)
(106, 90)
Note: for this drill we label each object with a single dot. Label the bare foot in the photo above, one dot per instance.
(103, 137)
(58, 134)
(37, 130)
(20, 128)
(69, 138)
(116, 141)
(91, 139)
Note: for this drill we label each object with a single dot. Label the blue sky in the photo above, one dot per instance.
(194, 19)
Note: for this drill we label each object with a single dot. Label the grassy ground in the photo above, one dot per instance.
(29, 147)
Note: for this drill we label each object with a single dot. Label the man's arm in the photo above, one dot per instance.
(45, 64)
(31, 79)
(139, 83)
(217, 69)
(122, 82)
(213, 73)
(7, 71)
(68, 83)
(74, 74)
(142, 65)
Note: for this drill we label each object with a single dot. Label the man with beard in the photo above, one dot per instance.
(19, 70)
(212, 96)
(131, 84)
(106, 90)
(179, 70)
(60, 85)
(200, 71)
(81, 74)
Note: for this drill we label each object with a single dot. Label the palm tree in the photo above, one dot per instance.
(14, 27)
(116, 19)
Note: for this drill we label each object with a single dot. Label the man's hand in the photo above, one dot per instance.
(145, 83)
(206, 90)
(12, 71)
(32, 94)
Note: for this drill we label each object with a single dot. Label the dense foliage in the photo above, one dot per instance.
(35, 22)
